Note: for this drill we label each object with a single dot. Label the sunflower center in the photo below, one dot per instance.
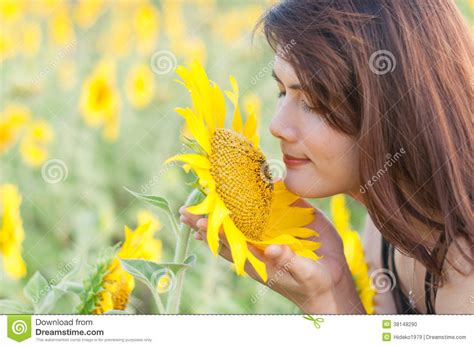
(243, 181)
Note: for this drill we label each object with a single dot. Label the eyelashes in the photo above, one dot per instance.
(304, 105)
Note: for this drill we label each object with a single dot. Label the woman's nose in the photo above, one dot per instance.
(282, 129)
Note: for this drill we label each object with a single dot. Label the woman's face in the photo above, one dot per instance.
(320, 160)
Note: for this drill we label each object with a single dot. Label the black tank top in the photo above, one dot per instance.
(401, 301)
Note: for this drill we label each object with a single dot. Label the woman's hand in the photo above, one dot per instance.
(324, 286)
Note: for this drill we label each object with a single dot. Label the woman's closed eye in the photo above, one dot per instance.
(306, 107)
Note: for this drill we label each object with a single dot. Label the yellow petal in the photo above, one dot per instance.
(258, 265)
(290, 217)
(237, 121)
(311, 245)
(196, 81)
(186, 167)
(250, 126)
(297, 232)
(219, 105)
(237, 244)
(197, 127)
(205, 206)
(280, 240)
(306, 253)
(216, 218)
(205, 178)
(282, 196)
(233, 96)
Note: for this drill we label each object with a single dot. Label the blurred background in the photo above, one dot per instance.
(87, 96)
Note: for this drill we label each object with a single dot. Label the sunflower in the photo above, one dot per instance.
(146, 27)
(13, 119)
(140, 86)
(12, 233)
(99, 103)
(33, 145)
(353, 251)
(116, 284)
(241, 196)
(60, 27)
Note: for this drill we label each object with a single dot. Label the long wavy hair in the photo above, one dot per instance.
(398, 77)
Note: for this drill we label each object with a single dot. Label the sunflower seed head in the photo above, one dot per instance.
(237, 166)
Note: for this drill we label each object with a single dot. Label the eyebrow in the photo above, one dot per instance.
(296, 86)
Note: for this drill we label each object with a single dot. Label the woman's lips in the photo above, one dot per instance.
(291, 161)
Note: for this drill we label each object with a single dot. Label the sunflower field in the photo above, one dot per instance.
(88, 198)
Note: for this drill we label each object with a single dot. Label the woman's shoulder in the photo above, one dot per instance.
(457, 293)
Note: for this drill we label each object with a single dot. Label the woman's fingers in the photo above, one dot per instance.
(201, 223)
(279, 259)
(201, 234)
(188, 218)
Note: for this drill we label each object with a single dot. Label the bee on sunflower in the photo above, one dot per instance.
(241, 196)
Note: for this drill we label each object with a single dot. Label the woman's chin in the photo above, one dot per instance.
(299, 185)
(308, 186)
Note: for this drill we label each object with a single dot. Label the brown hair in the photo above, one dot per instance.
(398, 76)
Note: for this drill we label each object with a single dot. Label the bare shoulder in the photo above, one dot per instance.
(372, 241)
(457, 293)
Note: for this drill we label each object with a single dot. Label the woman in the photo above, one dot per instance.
(375, 102)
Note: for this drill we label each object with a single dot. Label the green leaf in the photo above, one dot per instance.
(150, 272)
(36, 289)
(70, 286)
(195, 197)
(152, 199)
(58, 300)
(143, 268)
(190, 260)
(13, 307)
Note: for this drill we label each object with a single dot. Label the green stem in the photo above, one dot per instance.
(180, 254)
(174, 225)
(158, 302)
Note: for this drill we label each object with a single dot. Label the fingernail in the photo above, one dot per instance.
(201, 223)
(273, 251)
